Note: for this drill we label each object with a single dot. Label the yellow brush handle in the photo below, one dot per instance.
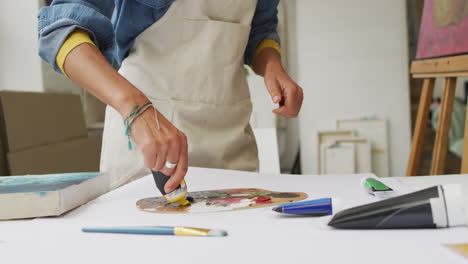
(187, 231)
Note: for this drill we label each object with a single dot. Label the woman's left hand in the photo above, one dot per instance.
(283, 91)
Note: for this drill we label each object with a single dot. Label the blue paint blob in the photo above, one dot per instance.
(42, 184)
(42, 194)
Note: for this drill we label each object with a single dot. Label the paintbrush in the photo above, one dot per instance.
(158, 230)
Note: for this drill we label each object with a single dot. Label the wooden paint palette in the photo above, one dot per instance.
(221, 200)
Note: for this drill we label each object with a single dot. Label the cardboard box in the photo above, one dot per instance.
(77, 155)
(30, 119)
(3, 165)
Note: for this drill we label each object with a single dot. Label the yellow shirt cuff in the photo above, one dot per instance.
(268, 43)
(76, 38)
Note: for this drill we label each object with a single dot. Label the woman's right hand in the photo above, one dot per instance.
(160, 145)
(86, 66)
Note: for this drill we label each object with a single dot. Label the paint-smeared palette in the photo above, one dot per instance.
(48, 195)
(221, 200)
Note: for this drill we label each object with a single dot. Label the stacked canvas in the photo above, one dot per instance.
(357, 146)
(48, 195)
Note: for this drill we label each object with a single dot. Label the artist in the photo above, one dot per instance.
(181, 89)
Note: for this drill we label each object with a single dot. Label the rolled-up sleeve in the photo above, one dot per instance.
(264, 26)
(59, 20)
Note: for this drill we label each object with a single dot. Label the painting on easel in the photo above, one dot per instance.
(221, 200)
(444, 29)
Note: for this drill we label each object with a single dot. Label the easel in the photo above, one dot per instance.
(448, 68)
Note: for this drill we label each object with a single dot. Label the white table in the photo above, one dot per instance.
(255, 236)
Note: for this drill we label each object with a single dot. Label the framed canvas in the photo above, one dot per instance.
(31, 196)
(338, 158)
(444, 29)
(374, 130)
(363, 153)
(329, 137)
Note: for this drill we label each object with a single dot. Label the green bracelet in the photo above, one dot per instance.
(136, 111)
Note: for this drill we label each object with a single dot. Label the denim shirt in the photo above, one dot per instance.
(113, 25)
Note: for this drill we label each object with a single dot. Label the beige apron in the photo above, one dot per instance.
(190, 65)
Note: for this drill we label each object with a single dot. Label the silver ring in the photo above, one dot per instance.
(170, 165)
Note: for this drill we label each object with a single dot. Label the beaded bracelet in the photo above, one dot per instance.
(137, 111)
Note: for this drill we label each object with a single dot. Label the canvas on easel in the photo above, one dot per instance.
(444, 29)
(443, 32)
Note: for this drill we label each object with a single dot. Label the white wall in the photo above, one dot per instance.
(20, 67)
(353, 61)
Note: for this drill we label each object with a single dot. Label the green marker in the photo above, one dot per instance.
(376, 188)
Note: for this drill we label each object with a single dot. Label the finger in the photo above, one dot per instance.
(297, 102)
(274, 89)
(293, 102)
(286, 109)
(300, 99)
(172, 155)
(161, 158)
(150, 156)
(181, 168)
(289, 110)
(283, 111)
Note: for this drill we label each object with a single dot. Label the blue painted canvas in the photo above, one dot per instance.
(43, 183)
